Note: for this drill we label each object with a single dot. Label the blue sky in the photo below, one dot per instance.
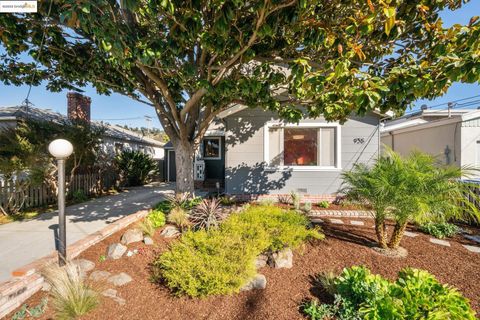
(123, 110)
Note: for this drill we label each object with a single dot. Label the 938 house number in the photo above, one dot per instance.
(358, 140)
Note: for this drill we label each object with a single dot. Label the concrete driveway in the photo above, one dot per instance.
(25, 241)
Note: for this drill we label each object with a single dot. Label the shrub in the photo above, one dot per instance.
(147, 227)
(266, 202)
(179, 217)
(323, 204)
(70, 296)
(220, 261)
(206, 215)
(181, 201)
(157, 218)
(79, 196)
(227, 200)
(416, 294)
(284, 199)
(296, 199)
(136, 167)
(440, 229)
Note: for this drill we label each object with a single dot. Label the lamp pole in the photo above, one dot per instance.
(61, 149)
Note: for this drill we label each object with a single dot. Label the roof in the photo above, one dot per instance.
(112, 131)
(428, 118)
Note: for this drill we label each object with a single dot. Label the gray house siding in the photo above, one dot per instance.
(245, 170)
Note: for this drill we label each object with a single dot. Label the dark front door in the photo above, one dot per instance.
(171, 171)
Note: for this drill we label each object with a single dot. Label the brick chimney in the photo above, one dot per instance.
(78, 106)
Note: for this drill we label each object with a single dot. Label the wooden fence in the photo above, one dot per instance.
(36, 196)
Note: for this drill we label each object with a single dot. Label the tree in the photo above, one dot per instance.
(191, 60)
(415, 188)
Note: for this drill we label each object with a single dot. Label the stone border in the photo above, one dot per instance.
(27, 279)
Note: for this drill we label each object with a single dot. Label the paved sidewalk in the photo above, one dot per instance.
(25, 241)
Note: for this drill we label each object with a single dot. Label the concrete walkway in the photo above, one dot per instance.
(25, 241)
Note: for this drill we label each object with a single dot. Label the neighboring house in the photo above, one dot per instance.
(451, 135)
(252, 152)
(114, 140)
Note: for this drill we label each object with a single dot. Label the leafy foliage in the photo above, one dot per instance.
(296, 199)
(440, 229)
(157, 218)
(206, 215)
(70, 295)
(307, 207)
(416, 294)
(221, 260)
(147, 227)
(34, 312)
(193, 60)
(136, 167)
(323, 204)
(227, 200)
(413, 188)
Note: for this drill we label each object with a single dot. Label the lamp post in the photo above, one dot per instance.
(61, 149)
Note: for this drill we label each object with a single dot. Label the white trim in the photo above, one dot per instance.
(338, 140)
(219, 148)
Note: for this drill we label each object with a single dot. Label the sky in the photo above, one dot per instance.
(118, 109)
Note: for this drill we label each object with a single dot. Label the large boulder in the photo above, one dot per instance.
(258, 282)
(281, 259)
(170, 232)
(116, 251)
(131, 236)
(120, 279)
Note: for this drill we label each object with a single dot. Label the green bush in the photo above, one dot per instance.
(157, 218)
(440, 229)
(220, 261)
(136, 167)
(416, 294)
(187, 204)
(323, 204)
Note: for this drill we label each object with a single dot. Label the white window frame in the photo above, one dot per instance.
(338, 153)
(219, 139)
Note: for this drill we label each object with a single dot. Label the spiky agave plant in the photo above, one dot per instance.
(207, 214)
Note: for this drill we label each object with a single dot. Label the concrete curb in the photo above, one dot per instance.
(27, 279)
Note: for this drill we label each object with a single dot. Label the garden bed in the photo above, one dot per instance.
(345, 245)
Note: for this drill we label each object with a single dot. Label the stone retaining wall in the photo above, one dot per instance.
(27, 280)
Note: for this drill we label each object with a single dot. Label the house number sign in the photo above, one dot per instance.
(358, 140)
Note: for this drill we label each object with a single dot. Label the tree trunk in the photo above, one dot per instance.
(380, 230)
(184, 155)
(397, 234)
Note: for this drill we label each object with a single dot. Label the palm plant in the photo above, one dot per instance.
(415, 188)
(135, 167)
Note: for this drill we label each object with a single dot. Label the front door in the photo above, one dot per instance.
(171, 170)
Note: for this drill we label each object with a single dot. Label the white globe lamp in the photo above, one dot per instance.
(60, 148)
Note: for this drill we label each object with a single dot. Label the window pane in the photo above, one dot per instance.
(327, 151)
(275, 151)
(301, 146)
(211, 148)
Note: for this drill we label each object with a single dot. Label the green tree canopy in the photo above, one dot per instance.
(192, 59)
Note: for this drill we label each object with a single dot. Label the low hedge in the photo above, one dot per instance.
(221, 261)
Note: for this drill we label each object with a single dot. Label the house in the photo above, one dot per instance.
(452, 135)
(252, 152)
(114, 139)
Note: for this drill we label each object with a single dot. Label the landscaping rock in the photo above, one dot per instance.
(410, 234)
(120, 279)
(258, 282)
(148, 241)
(261, 261)
(170, 232)
(99, 275)
(84, 265)
(281, 259)
(46, 286)
(129, 253)
(472, 248)
(131, 236)
(440, 242)
(113, 294)
(116, 251)
(356, 223)
(336, 221)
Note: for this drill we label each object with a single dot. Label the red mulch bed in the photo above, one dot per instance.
(344, 246)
